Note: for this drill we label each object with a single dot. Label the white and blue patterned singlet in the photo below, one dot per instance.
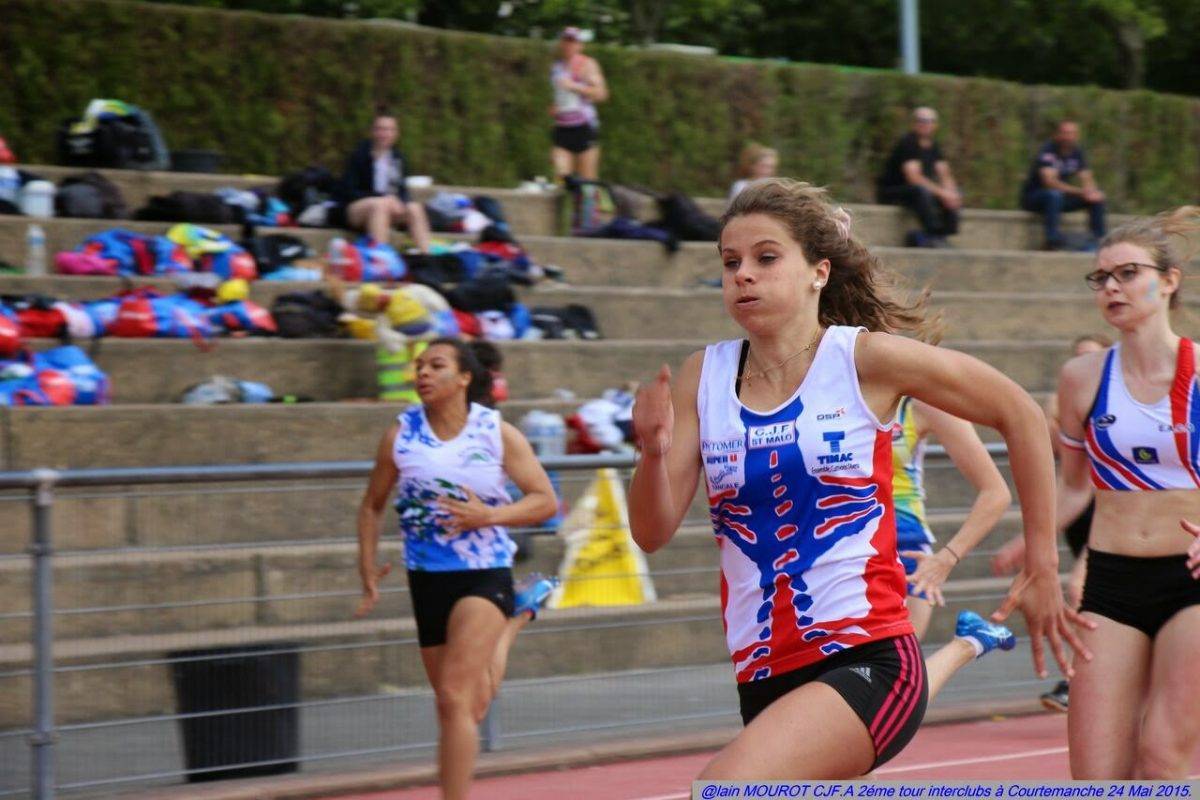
(431, 469)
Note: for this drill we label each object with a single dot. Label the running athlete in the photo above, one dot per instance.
(927, 570)
(449, 458)
(1008, 559)
(798, 467)
(1130, 419)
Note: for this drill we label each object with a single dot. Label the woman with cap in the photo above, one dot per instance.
(578, 84)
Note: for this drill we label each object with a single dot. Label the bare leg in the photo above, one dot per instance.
(589, 163)
(920, 612)
(418, 226)
(563, 161)
(475, 627)
(779, 744)
(1171, 727)
(1107, 692)
(371, 215)
(942, 665)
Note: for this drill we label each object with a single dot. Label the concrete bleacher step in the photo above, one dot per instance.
(379, 655)
(539, 213)
(203, 588)
(611, 262)
(534, 213)
(656, 312)
(159, 370)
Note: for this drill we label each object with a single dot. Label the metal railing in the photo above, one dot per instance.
(628, 696)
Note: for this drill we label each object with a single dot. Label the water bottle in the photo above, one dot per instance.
(337, 256)
(35, 251)
(546, 432)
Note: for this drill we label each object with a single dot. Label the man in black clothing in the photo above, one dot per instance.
(917, 176)
(1047, 189)
(374, 195)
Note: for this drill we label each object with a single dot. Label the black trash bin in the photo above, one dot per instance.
(231, 678)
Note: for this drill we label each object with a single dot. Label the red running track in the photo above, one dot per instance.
(1018, 748)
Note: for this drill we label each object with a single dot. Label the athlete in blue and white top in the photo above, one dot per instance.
(449, 460)
(1130, 422)
(430, 470)
(791, 429)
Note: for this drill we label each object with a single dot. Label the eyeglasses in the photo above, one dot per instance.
(1123, 273)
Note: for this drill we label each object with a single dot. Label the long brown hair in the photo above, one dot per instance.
(856, 293)
(1164, 236)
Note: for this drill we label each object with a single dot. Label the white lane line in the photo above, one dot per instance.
(957, 762)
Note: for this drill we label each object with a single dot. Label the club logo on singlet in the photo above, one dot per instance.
(775, 435)
(1106, 421)
(1145, 455)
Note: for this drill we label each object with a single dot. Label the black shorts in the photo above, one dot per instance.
(883, 681)
(435, 593)
(575, 138)
(1142, 593)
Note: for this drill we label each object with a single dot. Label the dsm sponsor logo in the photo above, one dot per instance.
(836, 414)
(775, 435)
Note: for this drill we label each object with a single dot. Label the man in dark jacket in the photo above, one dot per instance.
(916, 175)
(1049, 189)
(373, 193)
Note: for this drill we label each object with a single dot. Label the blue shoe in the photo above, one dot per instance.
(986, 636)
(531, 593)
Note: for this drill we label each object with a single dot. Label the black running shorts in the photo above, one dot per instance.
(883, 681)
(1142, 593)
(435, 593)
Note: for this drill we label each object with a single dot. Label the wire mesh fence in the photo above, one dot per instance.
(170, 624)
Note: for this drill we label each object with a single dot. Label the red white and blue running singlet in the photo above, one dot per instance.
(1139, 447)
(801, 504)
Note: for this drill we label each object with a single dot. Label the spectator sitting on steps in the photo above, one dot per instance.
(1047, 189)
(374, 195)
(755, 162)
(917, 176)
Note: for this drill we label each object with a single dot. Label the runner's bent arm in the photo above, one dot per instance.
(666, 477)
(971, 457)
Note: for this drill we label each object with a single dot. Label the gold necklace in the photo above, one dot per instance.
(749, 377)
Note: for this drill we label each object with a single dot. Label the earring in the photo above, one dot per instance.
(817, 284)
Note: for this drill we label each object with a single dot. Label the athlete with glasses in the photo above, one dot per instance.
(1130, 423)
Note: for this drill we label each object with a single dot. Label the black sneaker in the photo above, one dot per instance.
(1056, 698)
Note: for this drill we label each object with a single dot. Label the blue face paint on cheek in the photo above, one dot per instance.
(1152, 289)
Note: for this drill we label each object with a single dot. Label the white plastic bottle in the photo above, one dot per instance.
(35, 251)
(337, 256)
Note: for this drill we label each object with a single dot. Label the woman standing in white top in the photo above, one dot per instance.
(578, 84)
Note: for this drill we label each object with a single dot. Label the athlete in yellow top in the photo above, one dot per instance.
(927, 570)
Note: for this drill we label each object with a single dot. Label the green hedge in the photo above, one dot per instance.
(274, 93)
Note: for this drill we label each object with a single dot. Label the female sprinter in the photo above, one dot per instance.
(1130, 418)
(449, 459)
(927, 571)
(798, 467)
